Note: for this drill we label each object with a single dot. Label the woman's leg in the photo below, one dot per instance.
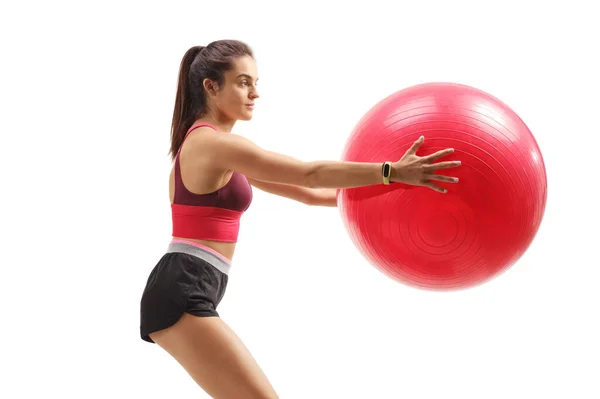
(215, 358)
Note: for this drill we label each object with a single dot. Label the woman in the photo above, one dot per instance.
(210, 188)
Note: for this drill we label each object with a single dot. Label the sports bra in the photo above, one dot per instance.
(213, 216)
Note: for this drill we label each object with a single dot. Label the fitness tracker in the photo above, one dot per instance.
(386, 171)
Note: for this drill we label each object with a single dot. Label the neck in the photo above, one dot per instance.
(222, 123)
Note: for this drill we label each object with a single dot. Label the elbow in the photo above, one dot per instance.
(311, 179)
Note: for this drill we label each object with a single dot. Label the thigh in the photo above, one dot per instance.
(215, 357)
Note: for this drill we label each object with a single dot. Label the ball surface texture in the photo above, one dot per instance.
(482, 225)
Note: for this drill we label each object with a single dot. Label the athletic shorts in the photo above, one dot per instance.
(188, 278)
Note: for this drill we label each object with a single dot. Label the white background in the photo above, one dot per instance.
(87, 92)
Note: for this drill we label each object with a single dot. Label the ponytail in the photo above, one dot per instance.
(186, 105)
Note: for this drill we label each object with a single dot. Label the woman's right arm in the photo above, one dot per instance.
(234, 152)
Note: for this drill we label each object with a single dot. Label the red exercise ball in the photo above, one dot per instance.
(483, 224)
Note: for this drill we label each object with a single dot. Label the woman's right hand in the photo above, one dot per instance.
(420, 171)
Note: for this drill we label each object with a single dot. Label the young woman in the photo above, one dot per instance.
(210, 188)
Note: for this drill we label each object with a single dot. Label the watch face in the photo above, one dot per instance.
(386, 170)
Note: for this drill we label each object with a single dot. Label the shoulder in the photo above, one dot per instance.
(199, 138)
(205, 138)
(205, 144)
(200, 132)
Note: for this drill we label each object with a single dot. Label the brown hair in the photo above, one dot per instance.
(200, 63)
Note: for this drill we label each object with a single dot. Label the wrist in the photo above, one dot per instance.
(396, 173)
(386, 172)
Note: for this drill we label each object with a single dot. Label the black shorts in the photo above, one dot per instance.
(188, 278)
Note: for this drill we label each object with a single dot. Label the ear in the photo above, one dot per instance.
(210, 86)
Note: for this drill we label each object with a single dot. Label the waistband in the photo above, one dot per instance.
(217, 260)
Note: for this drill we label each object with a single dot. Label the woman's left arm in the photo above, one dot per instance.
(308, 196)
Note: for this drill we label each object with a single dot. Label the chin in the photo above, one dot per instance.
(246, 116)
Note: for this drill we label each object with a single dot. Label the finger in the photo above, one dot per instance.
(441, 165)
(413, 148)
(442, 178)
(435, 187)
(437, 155)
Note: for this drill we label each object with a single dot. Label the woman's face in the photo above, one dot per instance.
(236, 98)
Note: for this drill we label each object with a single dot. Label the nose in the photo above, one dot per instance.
(254, 94)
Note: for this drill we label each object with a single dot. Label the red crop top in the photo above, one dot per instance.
(214, 216)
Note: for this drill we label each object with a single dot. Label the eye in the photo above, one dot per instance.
(244, 83)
